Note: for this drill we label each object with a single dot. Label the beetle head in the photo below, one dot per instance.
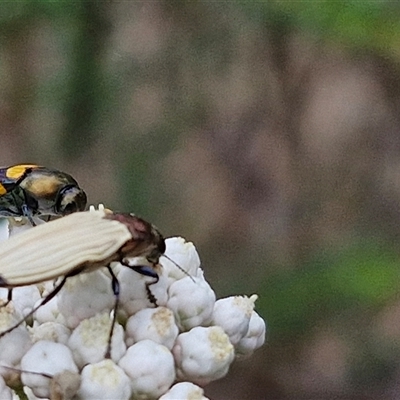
(70, 199)
(146, 240)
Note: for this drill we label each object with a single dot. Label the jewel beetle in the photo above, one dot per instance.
(78, 243)
(28, 190)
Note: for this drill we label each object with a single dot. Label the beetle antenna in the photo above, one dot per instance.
(179, 267)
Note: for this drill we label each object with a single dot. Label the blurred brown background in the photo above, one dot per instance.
(266, 132)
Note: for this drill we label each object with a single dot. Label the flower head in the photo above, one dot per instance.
(167, 329)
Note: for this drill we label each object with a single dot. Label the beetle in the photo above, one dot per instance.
(28, 190)
(80, 242)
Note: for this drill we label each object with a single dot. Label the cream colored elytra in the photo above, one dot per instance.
(58, 248)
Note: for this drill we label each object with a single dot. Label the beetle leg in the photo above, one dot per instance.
(147, 271)
(42, 303)
(115, 289)
(27, 213)
(9, 296)
(150, 295)
(142, 269)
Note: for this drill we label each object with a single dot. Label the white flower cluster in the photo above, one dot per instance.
(189, 337)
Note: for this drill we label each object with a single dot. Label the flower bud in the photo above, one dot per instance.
(16, 343)
(150, 367)
(233, 314)
(89, 340)
(49, 312)
(203, 355)
(64, 385)
(23, 298)
(156, 324)
(192, 301)
(45, 357)
(103, 381)
(184, 391)
(85, 295)
(183, 254)
(254, 338)
(52, 331)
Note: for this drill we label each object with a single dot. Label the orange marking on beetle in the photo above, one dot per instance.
(17, 171)
(42, 187)
(3, 190)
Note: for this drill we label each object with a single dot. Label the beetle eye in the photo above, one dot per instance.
(71, 199)
(161, 246)
(154, 255)
(70, 208)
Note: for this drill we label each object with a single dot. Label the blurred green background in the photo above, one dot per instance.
(266, 132)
